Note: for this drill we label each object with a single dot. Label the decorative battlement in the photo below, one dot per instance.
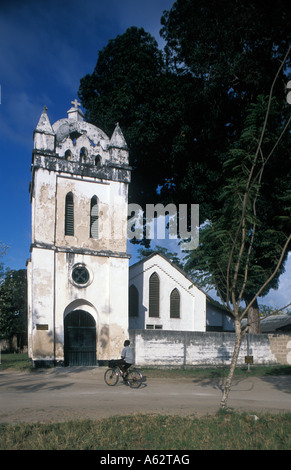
(74, 146)
(53, 162)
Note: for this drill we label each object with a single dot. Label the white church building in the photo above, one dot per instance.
(78, 270)
(83, 298)
(161, 296)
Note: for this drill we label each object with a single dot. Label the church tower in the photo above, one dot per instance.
(78, 270)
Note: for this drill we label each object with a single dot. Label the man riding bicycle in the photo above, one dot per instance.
(127, 358)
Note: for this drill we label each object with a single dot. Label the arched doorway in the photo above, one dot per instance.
(80, 339)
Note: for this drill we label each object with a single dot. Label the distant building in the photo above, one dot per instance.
(162, 296)
(218, 318)
(276, 324)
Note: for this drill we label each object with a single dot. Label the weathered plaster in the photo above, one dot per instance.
(74, 156)
(188, 349)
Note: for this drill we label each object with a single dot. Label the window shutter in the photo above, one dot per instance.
(94, 218)
(175, 304)
(154, 296)
(69, 215)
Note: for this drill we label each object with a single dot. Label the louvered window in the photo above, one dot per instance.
(69, 215)
(175, 304)
(94, 218)
(133, 301)
(154, 296)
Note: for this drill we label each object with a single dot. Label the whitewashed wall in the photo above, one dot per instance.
(192, 299)
(182, 349)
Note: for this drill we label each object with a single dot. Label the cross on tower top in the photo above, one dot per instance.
(75, 113)
(75, 103)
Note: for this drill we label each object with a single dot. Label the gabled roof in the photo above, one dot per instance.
(157, 253)
(208, 298)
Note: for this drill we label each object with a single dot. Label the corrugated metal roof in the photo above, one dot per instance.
(276, 323)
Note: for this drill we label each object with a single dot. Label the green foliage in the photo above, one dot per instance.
(173, 257)
(13, 307)
(238, 251)
(192, 118)
(3, 249)
(266, 310)
(224, 45)
(226, 42)
(159, 112)
(128, 86)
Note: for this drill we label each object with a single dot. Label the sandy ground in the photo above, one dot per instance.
(63, 394)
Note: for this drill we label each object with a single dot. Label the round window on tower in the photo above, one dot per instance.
(80, 276)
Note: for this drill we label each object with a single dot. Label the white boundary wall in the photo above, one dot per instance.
(183, 348)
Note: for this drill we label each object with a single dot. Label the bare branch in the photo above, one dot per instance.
(277, 310)
(251, 181)
(270, 278)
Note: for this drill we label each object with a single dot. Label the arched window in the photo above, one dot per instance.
(154, 296)
(175, 304)
(98, 160)
(69, 215)
(133, 301)
(83, 154)
(68, 155)
(94, 218)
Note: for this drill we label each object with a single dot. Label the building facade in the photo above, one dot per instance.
(78, 270)
(161, 296)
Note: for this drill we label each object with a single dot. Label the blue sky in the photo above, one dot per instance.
(46, 47)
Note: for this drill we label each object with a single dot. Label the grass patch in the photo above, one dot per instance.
(23, 363)
(214, 372)
(17, 361)
(224, 431)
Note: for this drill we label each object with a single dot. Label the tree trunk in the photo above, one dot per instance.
(238, 338)
(254, 319)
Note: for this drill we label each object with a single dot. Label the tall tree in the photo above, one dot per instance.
(235, 254)
(184, 111)
(181, 112)
(249, 161)
(128, 85)
(173, 257)
(3, 249)
(158, 110)
(13, 308)
(234, 50)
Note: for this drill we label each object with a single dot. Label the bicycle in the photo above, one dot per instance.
(114, 372)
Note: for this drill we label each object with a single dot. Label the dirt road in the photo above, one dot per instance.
(63, 394)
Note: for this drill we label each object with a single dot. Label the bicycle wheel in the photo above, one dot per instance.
(111, 377)
(134, 378)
